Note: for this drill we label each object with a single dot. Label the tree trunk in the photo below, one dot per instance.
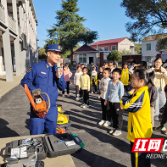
(72, 56)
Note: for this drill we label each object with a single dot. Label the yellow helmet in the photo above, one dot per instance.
(60, 109)
(62, 119)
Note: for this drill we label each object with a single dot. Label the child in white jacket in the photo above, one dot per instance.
(76, 83)
(103, 86)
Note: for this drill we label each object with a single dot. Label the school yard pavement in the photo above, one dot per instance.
(5, 87)
(101, 149)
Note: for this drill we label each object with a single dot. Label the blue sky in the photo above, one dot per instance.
(104, 16)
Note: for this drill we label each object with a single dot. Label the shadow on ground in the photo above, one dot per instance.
(5, 131)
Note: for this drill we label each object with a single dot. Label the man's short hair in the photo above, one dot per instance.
(141, 67)
(78, 67)
(107, 69)
(125, 63)
(110, 62)
(84, 68)
(117, 70)
(134, 61)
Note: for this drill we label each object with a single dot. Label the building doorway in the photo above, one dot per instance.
(91, 60)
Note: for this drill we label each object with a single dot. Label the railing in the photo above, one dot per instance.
(12, 22)
(2, 13)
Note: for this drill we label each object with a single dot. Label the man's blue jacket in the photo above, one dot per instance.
(43, 76)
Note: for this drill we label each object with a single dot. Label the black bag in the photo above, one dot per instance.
(62, 144)
(39, 147)
(48, 146)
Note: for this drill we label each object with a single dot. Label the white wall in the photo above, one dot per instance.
(87, 56)
(125, 45)
(91, 55)
(149, 55)
(151, 52)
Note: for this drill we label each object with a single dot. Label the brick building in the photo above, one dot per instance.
(118, 44)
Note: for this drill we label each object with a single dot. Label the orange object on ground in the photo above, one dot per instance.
(60, 130)
(41, 108)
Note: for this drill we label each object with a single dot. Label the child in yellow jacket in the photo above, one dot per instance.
(125, 77)
(137, 103)
(84, 85)
(94, 80)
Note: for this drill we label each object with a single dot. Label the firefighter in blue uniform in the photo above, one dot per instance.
(44, 75)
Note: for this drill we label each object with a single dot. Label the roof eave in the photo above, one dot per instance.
(86, 52)
(34, 11)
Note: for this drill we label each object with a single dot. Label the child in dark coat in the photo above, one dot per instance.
(153, 96)
(99, 77)
(164, 117)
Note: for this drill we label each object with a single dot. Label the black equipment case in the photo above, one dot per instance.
(38, 147)
(62, 144)
(49, 146)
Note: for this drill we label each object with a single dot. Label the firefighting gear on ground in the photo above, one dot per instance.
(30, 151)
(63, 118)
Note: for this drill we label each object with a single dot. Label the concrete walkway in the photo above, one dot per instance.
(5, 86)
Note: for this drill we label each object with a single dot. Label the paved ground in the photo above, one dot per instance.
(101, 149)
(5, 87)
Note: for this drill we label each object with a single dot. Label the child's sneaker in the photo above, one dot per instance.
(156, 118)
(111, 131)
(68, 95)
(98, 97)
(157, 128)
(163, 131)
(82, 105)
(107, 124)
(117, 133)
(86, 106)
(77, 98)
(63, 95)
(101, 122)
(91, 92)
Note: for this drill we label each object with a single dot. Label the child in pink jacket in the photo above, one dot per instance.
(67, 75)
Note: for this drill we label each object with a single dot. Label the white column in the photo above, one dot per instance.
(17, 56)
(14, 6)
(21, 16)
(7, 55)
(1, 61)
(23, 53)
(7, 46)
(28, 64)
(23, 61)
(4, 3)
(16, 41)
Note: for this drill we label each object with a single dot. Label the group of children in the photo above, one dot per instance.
(131, 89)
(111, 89)
(112, 83)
